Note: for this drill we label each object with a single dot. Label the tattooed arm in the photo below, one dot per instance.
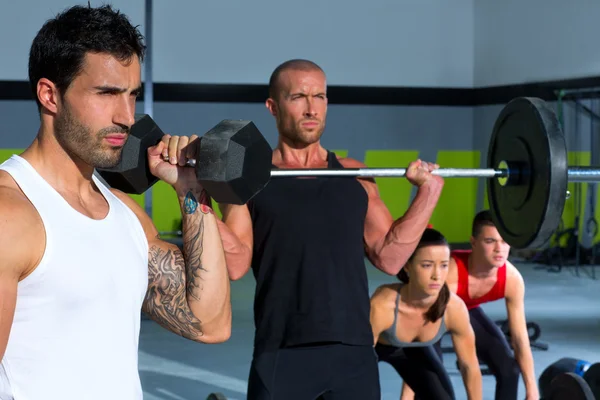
(188, 290)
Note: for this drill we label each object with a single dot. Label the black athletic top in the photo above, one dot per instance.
(308, 261)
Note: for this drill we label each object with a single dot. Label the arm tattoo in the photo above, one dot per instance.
(174, 277)
(192, 248)
(190, 204)
(165, 302)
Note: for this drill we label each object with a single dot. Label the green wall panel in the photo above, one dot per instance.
(457, 205)
(395, 192)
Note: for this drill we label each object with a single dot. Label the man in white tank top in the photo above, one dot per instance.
(79, 261)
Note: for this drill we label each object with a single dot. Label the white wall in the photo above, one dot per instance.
(518, 41)
(377, 42)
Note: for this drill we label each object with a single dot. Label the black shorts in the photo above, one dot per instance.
(328, 372)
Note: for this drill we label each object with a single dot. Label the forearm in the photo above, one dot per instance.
(471, 374)
(403, 236)
(206, 278)
(237, 255)
(524, 357)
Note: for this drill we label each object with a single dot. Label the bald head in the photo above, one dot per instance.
(295, 65)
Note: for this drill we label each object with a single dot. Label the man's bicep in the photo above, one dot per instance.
(166, 296)
(8, 300)
(379, 220)
(22, 244)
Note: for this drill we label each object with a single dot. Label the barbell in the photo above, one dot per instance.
(527, 172)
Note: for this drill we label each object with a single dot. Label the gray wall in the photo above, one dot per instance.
(428, 43)
(519, 41)
(21, 20)
(379, 42)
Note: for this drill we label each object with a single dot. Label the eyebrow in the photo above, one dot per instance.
(116, 89)
(305, 95)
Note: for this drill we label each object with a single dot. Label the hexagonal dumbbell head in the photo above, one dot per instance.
(132, 174)
(234, 162)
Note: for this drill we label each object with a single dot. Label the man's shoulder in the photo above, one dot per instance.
(15, 205)
(21, 228)
(140, 213)
(514, 278)
(512, 272)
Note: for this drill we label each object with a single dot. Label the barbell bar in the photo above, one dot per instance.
(575, 174)
(527, 172)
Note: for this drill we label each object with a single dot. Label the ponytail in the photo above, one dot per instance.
(402, 276)
(438, 308)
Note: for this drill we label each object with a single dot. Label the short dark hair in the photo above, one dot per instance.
(294, 64)
(59, 48)
(482, 218)
(431, 237)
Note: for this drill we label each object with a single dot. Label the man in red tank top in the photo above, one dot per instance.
(483, 274)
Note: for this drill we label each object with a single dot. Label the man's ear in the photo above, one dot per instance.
(271, 106)
(47, 94)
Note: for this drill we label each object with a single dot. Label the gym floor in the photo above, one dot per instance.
(563, 304)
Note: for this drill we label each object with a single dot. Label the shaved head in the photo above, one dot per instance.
(296, 65)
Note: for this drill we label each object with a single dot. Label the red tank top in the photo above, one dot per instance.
(496, 292)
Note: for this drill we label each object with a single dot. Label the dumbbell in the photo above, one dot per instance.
(233, 161)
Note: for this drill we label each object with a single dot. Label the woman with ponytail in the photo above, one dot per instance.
(409, 317)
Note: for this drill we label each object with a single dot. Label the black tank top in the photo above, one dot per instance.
(308, 262)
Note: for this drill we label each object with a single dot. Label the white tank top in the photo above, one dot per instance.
(77, 320)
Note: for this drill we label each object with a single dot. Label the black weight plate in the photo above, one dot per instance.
(570, 386)
(234, 161)
(132, 173)
(528, 137)
(592, 377)
(216, 396)
(559, 367)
